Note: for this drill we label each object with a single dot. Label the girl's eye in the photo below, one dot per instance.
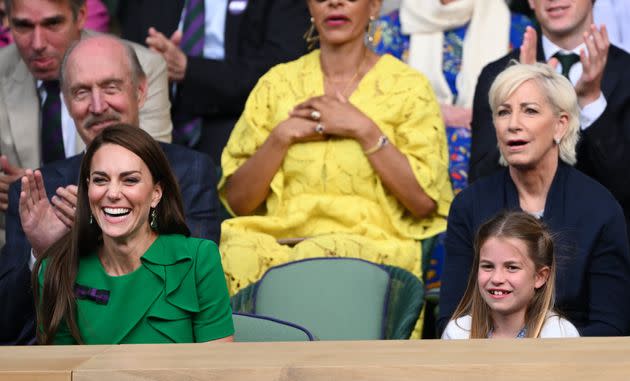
(485, 266)
(513, 268)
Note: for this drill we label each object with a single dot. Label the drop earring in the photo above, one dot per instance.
(91, 219)
(310, 37)
(371, 31)
(153, 223)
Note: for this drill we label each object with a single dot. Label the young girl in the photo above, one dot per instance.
(511, 287)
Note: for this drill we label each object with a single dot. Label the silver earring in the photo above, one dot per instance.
(310, 37)
(153, 223)
(371, 31)
(556, 140)
(91, 219)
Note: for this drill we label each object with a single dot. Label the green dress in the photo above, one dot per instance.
(177, 295)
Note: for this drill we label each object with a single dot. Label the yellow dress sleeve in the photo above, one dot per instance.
(421, 137)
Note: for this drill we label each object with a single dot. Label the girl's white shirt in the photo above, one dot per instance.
(554, 327)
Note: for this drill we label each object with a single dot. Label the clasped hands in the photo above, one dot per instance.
(45, 223)
(593, 59)
(320, 117)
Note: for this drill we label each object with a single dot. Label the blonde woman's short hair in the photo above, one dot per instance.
(556, 88)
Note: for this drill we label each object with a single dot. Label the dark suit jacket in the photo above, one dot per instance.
(268, 32)
(604, 150)
(593, 257)
(197, 181)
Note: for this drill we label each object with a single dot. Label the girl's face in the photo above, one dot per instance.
(507, 278)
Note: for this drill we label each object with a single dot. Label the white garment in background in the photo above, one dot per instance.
(615, 14)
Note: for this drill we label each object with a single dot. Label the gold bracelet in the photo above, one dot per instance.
(382, 142)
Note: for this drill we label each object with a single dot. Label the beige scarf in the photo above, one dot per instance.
(487, 39)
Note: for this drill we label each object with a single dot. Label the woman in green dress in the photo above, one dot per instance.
(128, 272)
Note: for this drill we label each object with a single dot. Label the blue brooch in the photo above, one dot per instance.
(93, 294)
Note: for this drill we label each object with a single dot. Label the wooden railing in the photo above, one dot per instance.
(528, 359)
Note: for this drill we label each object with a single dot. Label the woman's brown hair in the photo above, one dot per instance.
(540, 249)
(56, 303)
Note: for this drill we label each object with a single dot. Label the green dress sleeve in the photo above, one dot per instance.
(214, 319)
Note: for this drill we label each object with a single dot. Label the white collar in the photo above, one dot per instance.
(549, 48)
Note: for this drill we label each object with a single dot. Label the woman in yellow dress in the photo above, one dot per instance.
(339, 153)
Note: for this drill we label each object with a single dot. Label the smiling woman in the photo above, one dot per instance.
(126, 254)
(536, 119)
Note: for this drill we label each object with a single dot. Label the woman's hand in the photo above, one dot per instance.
(41, 225)
(337, 116)
(296, 130)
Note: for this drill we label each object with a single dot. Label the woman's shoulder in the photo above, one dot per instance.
(187, 244)
(589, 193)
(458, 328)
(557, 326)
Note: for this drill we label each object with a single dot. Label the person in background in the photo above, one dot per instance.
(97, 18)
(339, 153)
(598, 72)
(103, 84)
(536, 119)
(615, 15)
(5, 31)
(35, 127)
(511, 288)
(128, 271)
(216, 51)
(450, 41)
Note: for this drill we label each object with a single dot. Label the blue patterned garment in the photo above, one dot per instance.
(388, 38)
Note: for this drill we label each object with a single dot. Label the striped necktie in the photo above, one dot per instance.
(52, 137)
(187, 128)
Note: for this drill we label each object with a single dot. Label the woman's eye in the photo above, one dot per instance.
(132, 180)
(98, 180)
(502, 112)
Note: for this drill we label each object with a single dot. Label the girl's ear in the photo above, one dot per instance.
(541, 277)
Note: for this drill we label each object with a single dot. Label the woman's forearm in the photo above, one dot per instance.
(395, 172)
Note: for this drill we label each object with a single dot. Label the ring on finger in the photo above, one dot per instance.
(319, 128)
(315, 115)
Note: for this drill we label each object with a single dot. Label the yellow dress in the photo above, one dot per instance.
(327, 191)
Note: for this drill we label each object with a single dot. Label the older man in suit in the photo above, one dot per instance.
(599, 73)
(103, 83)
(35, 127)
(215, 66)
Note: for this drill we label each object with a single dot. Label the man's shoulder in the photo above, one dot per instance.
(9, 57)
(10, 61)
(176, 154)
(497, 66)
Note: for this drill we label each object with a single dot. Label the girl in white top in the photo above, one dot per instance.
(511, 288)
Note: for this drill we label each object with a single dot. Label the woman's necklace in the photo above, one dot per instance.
(328, 82)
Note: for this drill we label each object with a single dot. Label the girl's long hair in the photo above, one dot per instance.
(55, 302)
(540, 248)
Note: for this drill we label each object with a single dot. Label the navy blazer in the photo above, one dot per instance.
(196, 175)
(266, 33)
(604, 149)
(592, 253)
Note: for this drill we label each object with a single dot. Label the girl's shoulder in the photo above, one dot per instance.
(458, 328)
(557, 326)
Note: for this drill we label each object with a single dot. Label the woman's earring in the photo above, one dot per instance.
(556, 140)
(153, 223)
(310, 37)
(91, 219)
(371, 31)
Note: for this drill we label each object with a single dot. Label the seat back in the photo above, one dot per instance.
(335, 298)
(255, 328)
